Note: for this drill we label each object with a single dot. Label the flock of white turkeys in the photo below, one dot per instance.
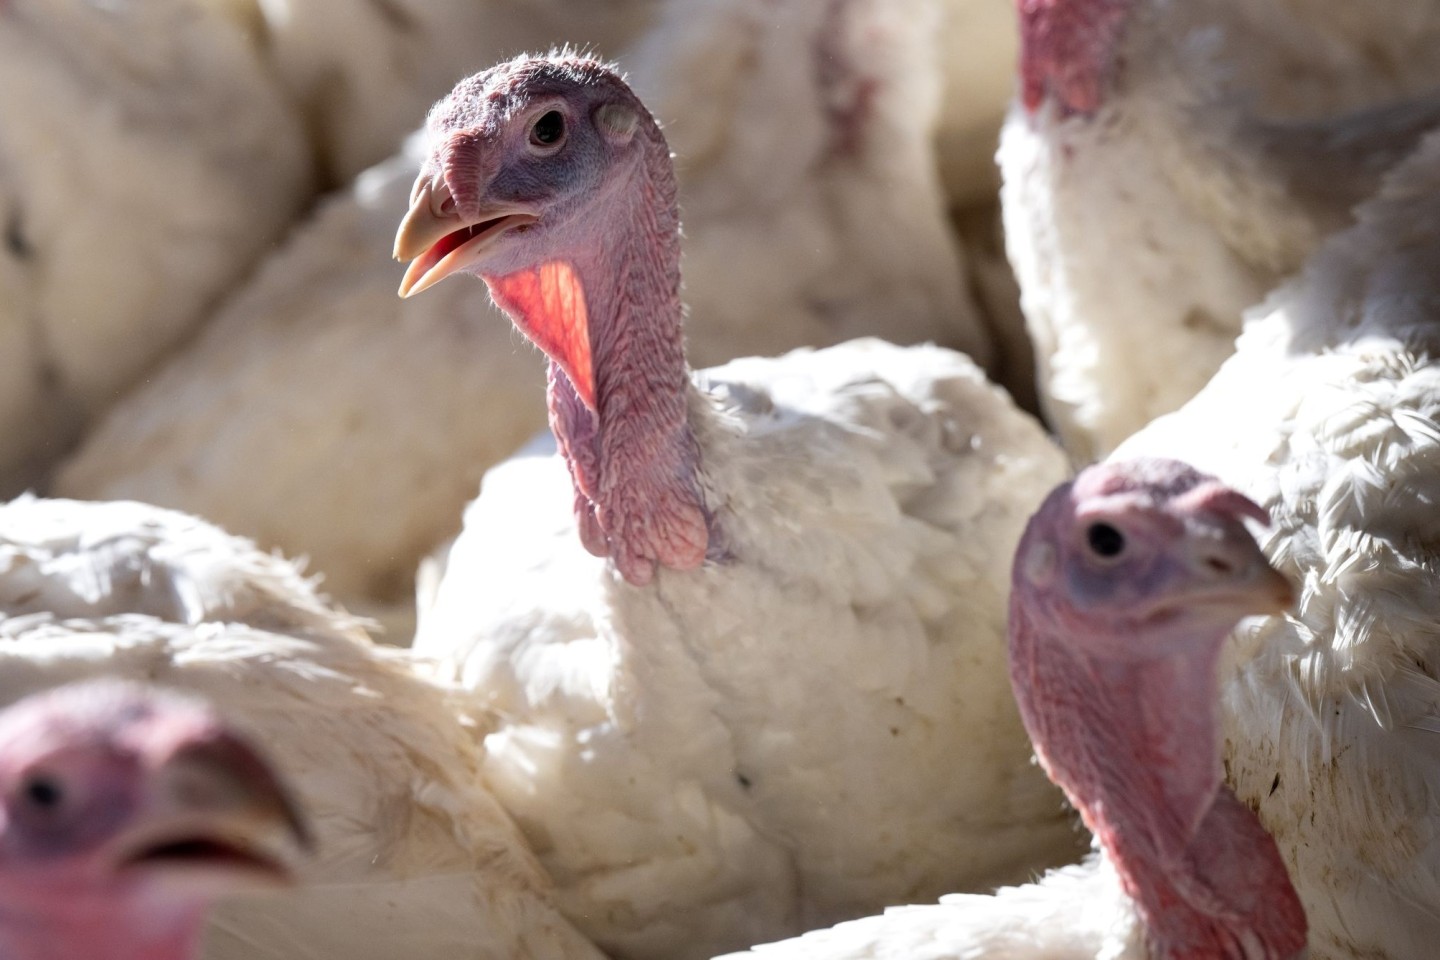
(721, 658)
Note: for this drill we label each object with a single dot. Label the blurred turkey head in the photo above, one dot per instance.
(125, 812)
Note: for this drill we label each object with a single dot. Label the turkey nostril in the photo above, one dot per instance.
(442, 202)
(1219, 566)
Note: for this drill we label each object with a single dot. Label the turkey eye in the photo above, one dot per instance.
(42, 792)
(548, 130)
(1105, 540)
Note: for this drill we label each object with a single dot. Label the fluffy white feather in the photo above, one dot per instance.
(1074, 913)
(817, 726)
(413, 853)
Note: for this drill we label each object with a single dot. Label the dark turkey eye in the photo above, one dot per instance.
(43, 792)
(548, 129)
(1105, 540)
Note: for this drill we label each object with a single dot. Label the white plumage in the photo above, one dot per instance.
(1140, 234)
(321, 414)
(413, 853)
(1327, 416)
(804, 136)
(145, 162)
(1074, 913)
(817, 725)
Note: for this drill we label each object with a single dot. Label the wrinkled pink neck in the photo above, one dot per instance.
(121, 930)
(1069, 51)
(633, 458)
(1135, 746)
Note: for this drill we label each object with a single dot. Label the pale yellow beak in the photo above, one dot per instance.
(438, 242)
(217, 813)
(1235, 570)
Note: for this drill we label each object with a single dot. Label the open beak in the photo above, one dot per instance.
(438, 242)
(217, 813)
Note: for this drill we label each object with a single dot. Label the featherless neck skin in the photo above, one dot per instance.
(99, 928)
(1205, 875)
(1069, 51)
(1115, 669)
(619, 402)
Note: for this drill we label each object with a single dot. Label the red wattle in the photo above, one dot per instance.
(548, 303)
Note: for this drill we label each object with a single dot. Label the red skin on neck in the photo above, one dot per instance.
(1068, 51)
(1134, 743)
(1204, 874)
(608, 315)
(97, 919)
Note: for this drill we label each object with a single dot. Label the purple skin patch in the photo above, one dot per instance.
(1069, 51)
(1126, 584)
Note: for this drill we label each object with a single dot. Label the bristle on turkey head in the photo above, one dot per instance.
(549, 179)
(1126, 584)
(1069, 51)
(124, 812)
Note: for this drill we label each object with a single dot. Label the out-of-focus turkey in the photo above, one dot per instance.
(411, 848)
(146, 162)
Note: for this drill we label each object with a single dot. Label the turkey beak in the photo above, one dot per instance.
(1232, 569)
(217, 813)
(438, 241)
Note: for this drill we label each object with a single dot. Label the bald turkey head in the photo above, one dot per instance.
(124, 812)
(1126, 584)
(548, 178)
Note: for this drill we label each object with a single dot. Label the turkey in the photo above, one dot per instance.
(126, 811)
(411, 848)
(1125, 586)
(804, 223)
(321, 415)
(1151, 192)
(362, 70)
(1326, 416)
(745, 636)
(145, 162)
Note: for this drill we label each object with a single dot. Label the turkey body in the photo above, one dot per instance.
(320, 414)
(411, 848)
(1331, 712)
(127, 205)
(1168, 171)
(811, 727)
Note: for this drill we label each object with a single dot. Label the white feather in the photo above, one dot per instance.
(817, 725)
